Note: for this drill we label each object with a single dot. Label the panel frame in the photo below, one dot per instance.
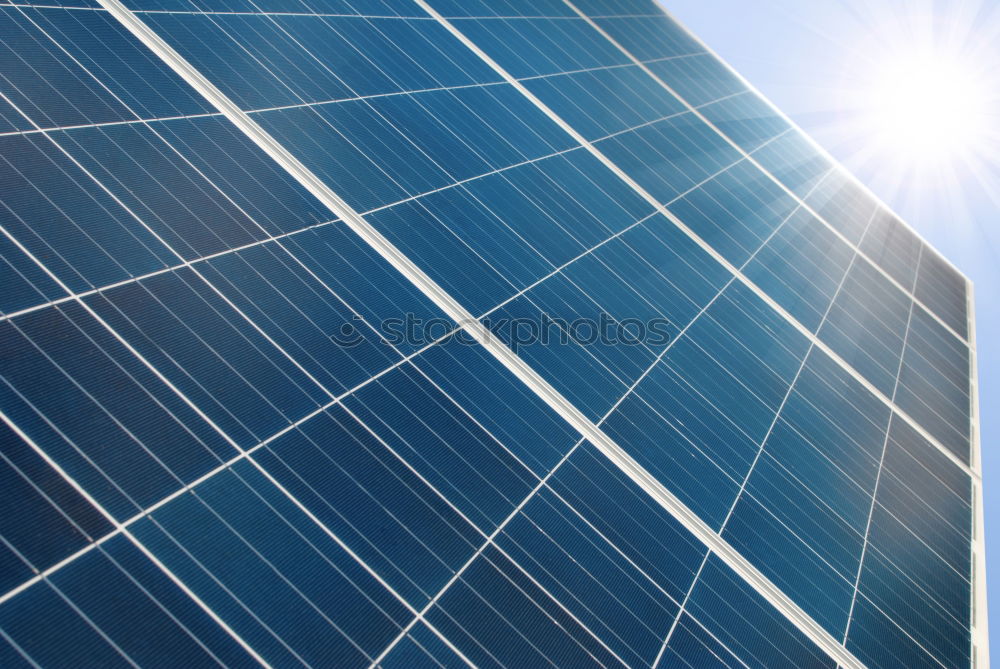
(979, 613)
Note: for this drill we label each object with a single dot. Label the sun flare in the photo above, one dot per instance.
(915, 103)
(927, 107)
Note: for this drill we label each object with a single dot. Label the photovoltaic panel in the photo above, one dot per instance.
(223, 480)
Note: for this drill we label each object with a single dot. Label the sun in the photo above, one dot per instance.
(926, 106)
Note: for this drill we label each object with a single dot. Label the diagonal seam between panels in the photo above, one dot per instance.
(597, 153)
(837, 166)
(473, 327)
(548, 476)
(337, 399)
(325, 195)
(758, 291)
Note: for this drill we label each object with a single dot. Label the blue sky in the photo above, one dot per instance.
(813, 58)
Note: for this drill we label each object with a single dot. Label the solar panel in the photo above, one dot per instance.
(436, 333)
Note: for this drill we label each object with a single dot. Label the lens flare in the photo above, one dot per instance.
(926, 107)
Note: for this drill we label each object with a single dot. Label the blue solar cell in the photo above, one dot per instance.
(942, 525)
(475, 472)
(893, 247)
(580, 313)
(691, 645)
(836, 414)
(710, 431)
(62, 520)
(536, 47)
(647, 36)
(175, 205)
(303, 316)
(669, 455)
(423, 231)
(575, 193)
(83, 605)
(805, 515)
(800, 572)
(752, 341)
(498, 402)
(599, 103)
(808, 461)
(497, 617)
(843, 204)
(793, 161)
(943, 290)
(51, 55)
(866, 325)
(92, 4)
(273, 575)
(252, 182)
(46, 643)
(99, 413)
(673, 264)
(698, 78)
(616, 601)
(722, 604)
(73, 227)
(670, 157)
(205, 348)
(562, 359)
(98, 583)
(26, 285)
(801, 267)
(12, 120)
(12, 656)
(879, 642)
(893, 593)
(375, 291)
(746, 119)
(365, 492)
(928, 576)
(936, 403)
(734, 212)
(927, 470)
(648, 535)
